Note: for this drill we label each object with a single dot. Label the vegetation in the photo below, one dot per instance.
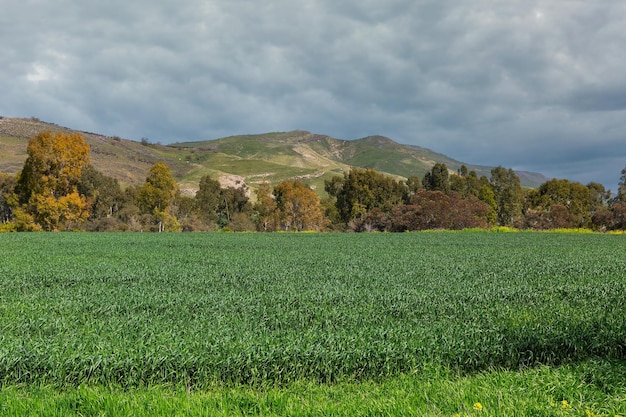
(438, 321)
(46, 193)
(588, 389)
(58, 189)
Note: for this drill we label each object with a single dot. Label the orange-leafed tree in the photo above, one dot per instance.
(265, 208)
(47, 186)
(299, 206)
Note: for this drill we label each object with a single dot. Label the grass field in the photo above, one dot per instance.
(313, 324)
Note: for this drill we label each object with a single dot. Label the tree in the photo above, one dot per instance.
(156, 195)
(413, 184)
(208, 198)
(621, 188)
(104, 193)
(598, 196)
(265, 208)
(486, 195)
(7, 186)
(619, 216)
(437, 179)
(47, 186)
(571, 197)
(361, 190)
(299, 206)
(467, 183)
(437, 210)
(219, 205)
(508, 193)
(232, 201)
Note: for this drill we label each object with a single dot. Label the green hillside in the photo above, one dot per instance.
(249, 159)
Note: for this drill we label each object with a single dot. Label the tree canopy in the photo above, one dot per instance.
(299, 206)
(47, 187)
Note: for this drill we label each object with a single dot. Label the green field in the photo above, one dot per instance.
(313, 324)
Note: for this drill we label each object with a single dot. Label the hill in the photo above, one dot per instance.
(249, 159)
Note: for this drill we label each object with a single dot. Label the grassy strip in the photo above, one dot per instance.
(590, 388)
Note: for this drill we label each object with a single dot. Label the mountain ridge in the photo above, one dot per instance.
(241, 159)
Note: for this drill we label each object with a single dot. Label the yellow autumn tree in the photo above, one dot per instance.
(299, 206)
(47, 186)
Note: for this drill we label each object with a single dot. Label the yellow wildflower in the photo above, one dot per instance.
(565, 404)
(478, 407)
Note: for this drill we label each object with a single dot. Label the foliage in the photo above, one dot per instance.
(156, 196)
(54, 165)
(437, 179)
(361, 190)
(104, 193)
(621, 190)
(466, 183)
(569, 203)
(159, 189)
(7, 185)
(216, 204)
(508, 194)
(266, 209)
(430, 210)
(200, 310)
(233, 203)
(47, 186)
(299, 206)
(208, 198)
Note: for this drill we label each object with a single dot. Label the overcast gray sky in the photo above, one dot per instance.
(535, 85)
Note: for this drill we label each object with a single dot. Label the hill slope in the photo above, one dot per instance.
(249, 159)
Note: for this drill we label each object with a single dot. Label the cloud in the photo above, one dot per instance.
(527, 84)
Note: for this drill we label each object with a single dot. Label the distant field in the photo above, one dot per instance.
(270, 310)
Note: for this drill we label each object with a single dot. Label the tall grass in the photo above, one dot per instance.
(203, 310)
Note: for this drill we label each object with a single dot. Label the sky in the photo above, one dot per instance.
(529, 85)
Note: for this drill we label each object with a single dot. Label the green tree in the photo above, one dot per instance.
(413, 184)
(486, 195)
(598, 196)
(208, 198)
(361, 190)
(621, 188)
(233, 202)
(438, 179)
(572, 197)
(105, 197)
(47, 186)
(156, 195)
(508, 193)
(466, 183)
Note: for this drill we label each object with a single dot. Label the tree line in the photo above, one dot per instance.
(58, 189)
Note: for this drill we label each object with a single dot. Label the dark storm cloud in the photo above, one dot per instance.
(526, 84)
